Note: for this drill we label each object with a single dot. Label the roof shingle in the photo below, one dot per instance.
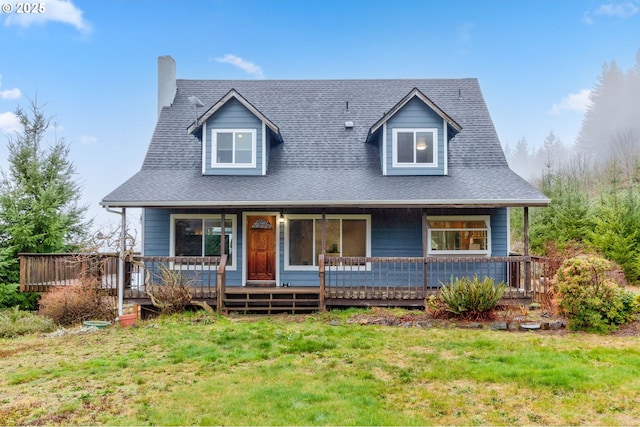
(320, 161)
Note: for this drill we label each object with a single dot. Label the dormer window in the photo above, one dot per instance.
(415, 147)
(234, 148)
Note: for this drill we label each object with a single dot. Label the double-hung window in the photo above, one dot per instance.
(201, 235)
(234, 148)
(415, 147)
(459, 235)
(346, 236)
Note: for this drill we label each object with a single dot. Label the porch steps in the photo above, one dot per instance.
(263, 300)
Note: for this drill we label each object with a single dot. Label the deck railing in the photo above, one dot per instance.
(375, 280)
(41, 272)
(382, 279)
(204, 275)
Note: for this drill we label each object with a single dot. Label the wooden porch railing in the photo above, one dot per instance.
(205, 275)
(369, 280)
(40, 272)
(382, 280)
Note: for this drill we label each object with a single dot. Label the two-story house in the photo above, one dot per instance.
(275, 173)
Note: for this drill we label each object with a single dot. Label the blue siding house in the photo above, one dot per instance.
(364, 188)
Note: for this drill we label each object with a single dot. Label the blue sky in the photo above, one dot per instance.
(93, 63)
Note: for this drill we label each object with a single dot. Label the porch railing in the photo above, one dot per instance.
(383, 279)
(204, 275)
(41, 272)
(379, 280)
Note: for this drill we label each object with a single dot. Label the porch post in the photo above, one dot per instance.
(424, 250)
(222, 235)
(323, 306)
(123, 244)
(221, 278)
(321, 266)
(527, 256)
(324, 231)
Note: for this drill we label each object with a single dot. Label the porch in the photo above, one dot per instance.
(342, 281)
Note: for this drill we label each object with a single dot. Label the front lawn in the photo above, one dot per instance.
(317, 370)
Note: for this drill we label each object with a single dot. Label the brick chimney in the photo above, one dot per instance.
(166, 82)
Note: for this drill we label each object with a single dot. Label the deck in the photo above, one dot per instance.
(342, 281)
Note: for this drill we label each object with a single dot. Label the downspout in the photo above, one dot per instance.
(122, 245)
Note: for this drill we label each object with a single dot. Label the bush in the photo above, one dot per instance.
(470, 298)
(592, 301)
(14, 322)
(10, 296)
(72, 304)
(173, 294)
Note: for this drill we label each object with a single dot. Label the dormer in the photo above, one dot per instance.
(236, 137)
(413, 137)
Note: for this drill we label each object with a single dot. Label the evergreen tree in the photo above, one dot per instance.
(39, 209)
(615, 106)
(616, 229)
(566, 219)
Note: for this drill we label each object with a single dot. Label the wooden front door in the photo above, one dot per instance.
(261, 249)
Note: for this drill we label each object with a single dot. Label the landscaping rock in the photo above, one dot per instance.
(558, 324)
(530, 326)
(475, 325)
(545, 326)
(499, 326)
(513, 326)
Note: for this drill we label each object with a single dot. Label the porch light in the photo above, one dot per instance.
(281, 218)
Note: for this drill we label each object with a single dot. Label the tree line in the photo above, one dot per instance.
(594, 186)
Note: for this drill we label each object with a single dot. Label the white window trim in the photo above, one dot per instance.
(232, 217)
(214, 148)
(394, 144)
(485, 218)
(290, 267)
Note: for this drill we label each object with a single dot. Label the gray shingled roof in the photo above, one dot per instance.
(321, 162)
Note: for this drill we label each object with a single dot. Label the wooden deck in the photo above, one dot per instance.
(343, 282)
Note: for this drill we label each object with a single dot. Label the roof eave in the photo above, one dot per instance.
(331, 203)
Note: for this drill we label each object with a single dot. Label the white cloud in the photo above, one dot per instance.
(88, 140)
(616, 10)
(63, 11)
(10, 93)
(244, 65)
(572, 102)
(9, 123)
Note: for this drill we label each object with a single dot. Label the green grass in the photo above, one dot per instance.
(288, 370)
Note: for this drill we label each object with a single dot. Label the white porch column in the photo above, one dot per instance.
(121, 264)
(527, 255)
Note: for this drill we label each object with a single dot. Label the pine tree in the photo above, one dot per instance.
(613, 112)
(566, 219)
(616, 229)
(39, 197)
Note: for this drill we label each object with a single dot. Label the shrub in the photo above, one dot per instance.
(590, 299)
(10, 296)
(71, 304)
(173, 294)
(14, 322)
(471, 298)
